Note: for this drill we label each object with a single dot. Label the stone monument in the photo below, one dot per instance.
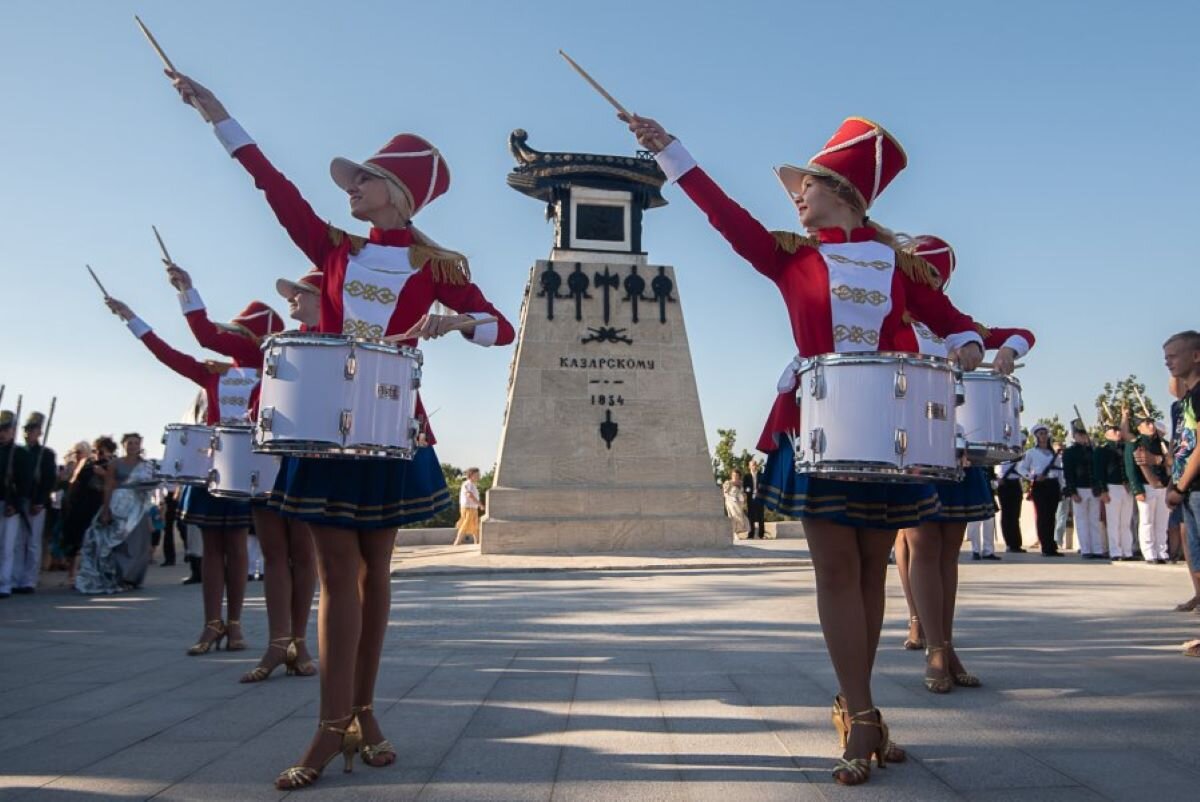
(603, 447)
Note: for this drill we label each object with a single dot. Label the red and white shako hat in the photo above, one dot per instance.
(409, 160)
(257, 320)
(861, 154)
(312, 281)
(938, 253)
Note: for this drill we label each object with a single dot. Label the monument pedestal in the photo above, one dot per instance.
(603, 447)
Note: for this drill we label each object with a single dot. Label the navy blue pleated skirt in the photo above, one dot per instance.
(968, 500)
(873, 505)
(201, 508)
(361, 493)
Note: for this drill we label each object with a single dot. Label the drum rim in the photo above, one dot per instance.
(175, 427)
(325, 449)
(864, 470)
(876, 358)
(989, 374)
(326, 339)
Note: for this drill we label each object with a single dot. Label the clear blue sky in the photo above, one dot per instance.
(1053, 143)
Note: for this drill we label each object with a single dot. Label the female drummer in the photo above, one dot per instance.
(375, 286)
(223, 523)
(290, 568)
(845, 288)
(927, 555)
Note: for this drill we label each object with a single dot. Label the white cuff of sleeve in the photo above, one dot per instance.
(138, 326)
(190, 301)
(674, 160)
(790, 378)
(231, 135)
(959, 339)
(484, 334)
(1019, 345)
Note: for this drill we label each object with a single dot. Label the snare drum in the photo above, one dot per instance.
(331, 395)
(237, 471)
(991, 417)
(186, 457)
(878, 416)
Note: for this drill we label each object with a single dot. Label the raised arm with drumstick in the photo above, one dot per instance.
(381, 286)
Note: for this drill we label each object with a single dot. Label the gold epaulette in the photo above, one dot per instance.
(443, 269)
(791, 242)
(907, 319)
(217, 368)
(337, 236)
(983, 330)
(918, 270)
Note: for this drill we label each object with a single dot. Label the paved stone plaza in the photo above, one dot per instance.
(697, 684)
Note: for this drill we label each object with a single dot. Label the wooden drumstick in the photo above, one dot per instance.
(161, 245)
(96, 279)
(1107, 412)
(1142, 401)
(466, 324)
(603, 92)
(166, 60)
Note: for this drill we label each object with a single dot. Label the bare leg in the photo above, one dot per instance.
(926, 544)
(339, 625)
(915, 638)
(277, 585)
(212, 572)
(874, 546)
(844, 620)
(304, 583)
(376, 583)
(237, 562)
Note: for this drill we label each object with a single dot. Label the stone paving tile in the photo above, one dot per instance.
(523, 707)
(967, 768)
(483, 770)
(1074, 794)
(1131, 773)
(140, 772)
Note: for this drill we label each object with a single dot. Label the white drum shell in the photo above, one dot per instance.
(237, 470)
(877, 417)
(990, 417)
(331, 395)
(186, 457)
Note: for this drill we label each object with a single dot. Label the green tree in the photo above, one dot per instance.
(724, 461)
(1122, 395)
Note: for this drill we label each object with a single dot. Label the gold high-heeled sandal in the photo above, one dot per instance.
(232, 645)
(262, 671)
(372, 752)
(913, 644)
(296, 668)
(857, 770)
(937, 684)
(963, 679)
(204, 646)
(841, 722)
(304, 776)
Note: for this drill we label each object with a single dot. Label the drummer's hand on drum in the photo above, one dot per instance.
(969, 356)
(650, 135)
(178, 277)
(119, 308)
(1005, 361)
(195, 94)
(433, 326)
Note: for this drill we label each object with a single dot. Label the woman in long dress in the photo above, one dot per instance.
(735, 502)
(117, 546)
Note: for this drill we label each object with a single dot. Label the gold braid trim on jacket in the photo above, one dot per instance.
(983, 330)
(792, 242)
(918, 270)
(217, 368)
(337, 236)
(446, 266)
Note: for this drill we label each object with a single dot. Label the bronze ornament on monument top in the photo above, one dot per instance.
(603, 448)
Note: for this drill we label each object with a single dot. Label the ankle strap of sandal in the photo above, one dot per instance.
(234, 622)
(216, 624)
(857, 718)
(362, 709)
(328, 724)
(281, 643)
(929, 650)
